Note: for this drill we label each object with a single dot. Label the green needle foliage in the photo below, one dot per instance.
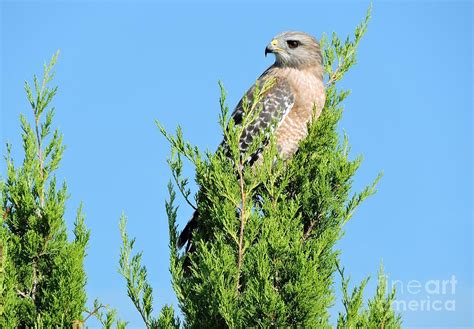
(263, 254)
(379, 313)
(42, 280)
(138, 288)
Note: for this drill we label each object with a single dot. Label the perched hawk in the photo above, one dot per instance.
(298, 89)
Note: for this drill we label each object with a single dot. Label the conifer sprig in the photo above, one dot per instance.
(42, 276)
(263, 253)
(377, 314)
(340, 57)
(138, 288)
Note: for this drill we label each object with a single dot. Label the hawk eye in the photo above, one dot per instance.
(293, 43)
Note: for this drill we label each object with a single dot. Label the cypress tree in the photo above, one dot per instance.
(264, 254)
(42, 279)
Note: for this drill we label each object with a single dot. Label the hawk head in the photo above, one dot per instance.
(295, 49)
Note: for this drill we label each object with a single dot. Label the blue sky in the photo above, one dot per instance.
(124, 64)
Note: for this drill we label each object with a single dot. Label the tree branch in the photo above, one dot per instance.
(22, 294)
(310, 228)
(93, 312)
(182, 190)
(242, 226)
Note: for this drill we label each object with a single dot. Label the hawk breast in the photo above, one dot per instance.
(309, 93)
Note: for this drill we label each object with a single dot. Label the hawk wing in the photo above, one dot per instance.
(276, 103)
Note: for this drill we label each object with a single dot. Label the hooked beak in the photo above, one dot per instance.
(272, 47)
(268, 50)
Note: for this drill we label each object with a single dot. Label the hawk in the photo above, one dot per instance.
(296, 93)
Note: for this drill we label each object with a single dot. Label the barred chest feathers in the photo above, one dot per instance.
(293, 127)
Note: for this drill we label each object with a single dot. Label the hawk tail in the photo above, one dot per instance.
(188, 231)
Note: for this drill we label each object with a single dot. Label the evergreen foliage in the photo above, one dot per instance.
(42, 280)
(105, 315)
(138, 288)
(263, 254)
(378, 314)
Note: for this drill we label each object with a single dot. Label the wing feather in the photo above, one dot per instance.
(276, 103)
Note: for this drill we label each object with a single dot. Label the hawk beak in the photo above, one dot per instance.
(268, 50)
(272, 47)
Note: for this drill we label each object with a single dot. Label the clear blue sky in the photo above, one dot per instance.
(124, 64)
